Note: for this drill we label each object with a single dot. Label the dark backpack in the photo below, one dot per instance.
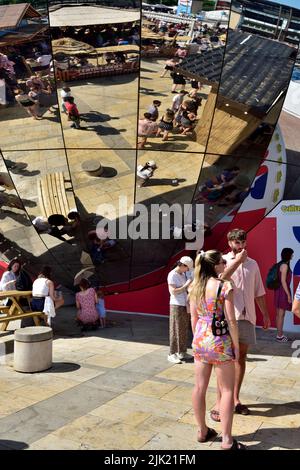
(23, 281)
(273, 277)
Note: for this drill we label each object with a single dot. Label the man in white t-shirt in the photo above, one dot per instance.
(178, 283)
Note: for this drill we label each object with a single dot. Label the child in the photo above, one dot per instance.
(100, 306)
(72, 111)
(64, 92)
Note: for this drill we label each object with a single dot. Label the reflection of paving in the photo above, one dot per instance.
(109, 106)
(20, 131)
(114, 389)
(153, 87)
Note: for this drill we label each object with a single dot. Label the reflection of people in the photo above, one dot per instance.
(147, 127)
(283, 297)
(179, 318)
(144, 172)
(28, 103)
(153, 110)
(72, 111)
(210, 296)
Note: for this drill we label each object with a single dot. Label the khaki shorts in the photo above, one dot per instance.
(247, 333)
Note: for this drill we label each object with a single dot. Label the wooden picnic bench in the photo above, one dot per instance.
(52, 194)
(16, 311)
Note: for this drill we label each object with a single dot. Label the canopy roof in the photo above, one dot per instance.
(254, 71)
(123, 48)
(91, 15)
(12, 15)
(70, 46)
(24, 34)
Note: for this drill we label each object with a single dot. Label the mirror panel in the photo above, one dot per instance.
(29, 113)
(96, 62)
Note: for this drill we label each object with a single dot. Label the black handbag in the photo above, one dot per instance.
(219, 325)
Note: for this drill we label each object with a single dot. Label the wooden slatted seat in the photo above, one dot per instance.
(52, 194)
(22, 315)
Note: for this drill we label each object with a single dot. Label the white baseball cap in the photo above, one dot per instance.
(187, 261)
(151, 163)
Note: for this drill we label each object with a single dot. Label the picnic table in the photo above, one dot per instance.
(16, 311)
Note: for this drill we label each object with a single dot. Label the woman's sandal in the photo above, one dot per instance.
(236, 446)
(211, 433)
(215, 416)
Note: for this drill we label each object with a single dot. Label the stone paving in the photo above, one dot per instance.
(114, 389)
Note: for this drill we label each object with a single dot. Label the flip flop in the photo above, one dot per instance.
(215, 416)
(236, 446)
(242, 409)
(211, 433)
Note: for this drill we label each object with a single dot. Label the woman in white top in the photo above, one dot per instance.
(42, 287)
(8, 280)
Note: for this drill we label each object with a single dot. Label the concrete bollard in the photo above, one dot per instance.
(33, 349)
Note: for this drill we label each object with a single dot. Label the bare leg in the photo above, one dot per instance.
(165, 135)
(142, 142)
(202, 376)
(225, 376)
(280, 313)
(240, 368)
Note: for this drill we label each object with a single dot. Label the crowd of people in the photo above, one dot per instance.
(218, 298)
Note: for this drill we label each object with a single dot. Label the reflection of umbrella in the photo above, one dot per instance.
(70, 46)
(83, 274)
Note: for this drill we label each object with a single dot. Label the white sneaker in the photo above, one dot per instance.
(184, 356)
(174, 358)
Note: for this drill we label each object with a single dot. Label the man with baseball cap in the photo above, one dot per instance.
(178, 282)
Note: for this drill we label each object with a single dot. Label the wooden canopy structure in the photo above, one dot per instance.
(85, 15)
(71, 46)
(14, 30)
(249, 78)
(12, 15)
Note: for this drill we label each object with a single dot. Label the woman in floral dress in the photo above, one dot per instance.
(210, 295)
(86, 300)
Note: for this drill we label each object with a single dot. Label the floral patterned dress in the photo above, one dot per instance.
(88, 313)
(207, 347)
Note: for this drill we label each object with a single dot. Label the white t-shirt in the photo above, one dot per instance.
(177, 280)
(40, 287)
(44, 60)
(6, 277)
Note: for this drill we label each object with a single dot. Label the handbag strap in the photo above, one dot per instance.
(218, 293)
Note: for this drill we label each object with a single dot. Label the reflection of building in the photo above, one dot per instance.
(254, 75)
(270, 20)
(223, 5)
(19, 24)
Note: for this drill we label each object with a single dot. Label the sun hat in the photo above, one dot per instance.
(187, 261)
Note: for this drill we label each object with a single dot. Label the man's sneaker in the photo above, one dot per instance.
(174, 358)
(184, 356)
(282, 339)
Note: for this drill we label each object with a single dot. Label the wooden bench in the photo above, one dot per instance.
(24, 315)
(52, 194)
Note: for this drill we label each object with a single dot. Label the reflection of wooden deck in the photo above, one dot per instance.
(289, 126)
